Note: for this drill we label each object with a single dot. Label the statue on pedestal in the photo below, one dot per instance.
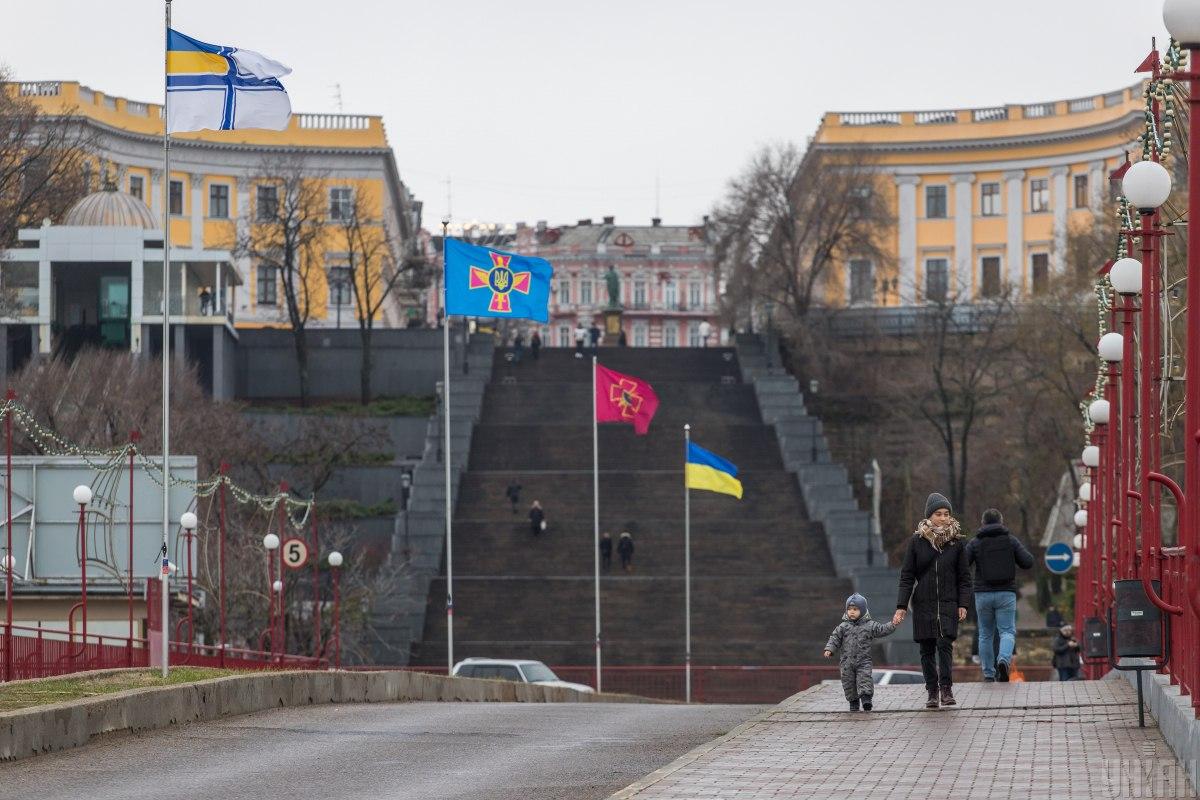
(613, 281)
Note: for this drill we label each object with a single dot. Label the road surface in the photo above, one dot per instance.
(422, 751)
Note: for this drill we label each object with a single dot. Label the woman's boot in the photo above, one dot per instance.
(948, 696)
(932, 702)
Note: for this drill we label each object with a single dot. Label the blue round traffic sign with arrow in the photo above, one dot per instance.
(1059, 558)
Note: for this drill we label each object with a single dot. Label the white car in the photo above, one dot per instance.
(892, 677)
(500, 669)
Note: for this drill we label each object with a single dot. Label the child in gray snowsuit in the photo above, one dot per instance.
(852, 638)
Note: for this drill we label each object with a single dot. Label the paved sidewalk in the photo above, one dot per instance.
(1078, 739)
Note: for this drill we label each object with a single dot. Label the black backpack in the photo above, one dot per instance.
(995, 559)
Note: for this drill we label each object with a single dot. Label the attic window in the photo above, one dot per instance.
(623, 240)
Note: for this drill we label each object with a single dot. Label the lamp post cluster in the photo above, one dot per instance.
(276, 631)
(1120, 512)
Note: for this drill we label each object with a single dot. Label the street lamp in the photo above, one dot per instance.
(874, 482)
(1081, 518)
(1111, 347)
(1085, 492)
(1091, 456)
(271, 543)
(1126, 275)
(335, 563)
(83, 495)
(406, 478)
(188, 522)
(1098, 411)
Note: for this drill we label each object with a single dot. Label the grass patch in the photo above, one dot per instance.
(402, 406)
(66, 688)
(352, 509)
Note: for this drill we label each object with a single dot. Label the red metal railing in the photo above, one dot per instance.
(45, 652)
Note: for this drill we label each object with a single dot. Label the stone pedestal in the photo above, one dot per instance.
(612, 326)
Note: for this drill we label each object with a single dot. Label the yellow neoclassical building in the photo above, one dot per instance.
(983, 197)
(217, 182)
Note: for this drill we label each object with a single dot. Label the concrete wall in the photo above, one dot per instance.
(405, 362)
(405, 436)
(44, 729)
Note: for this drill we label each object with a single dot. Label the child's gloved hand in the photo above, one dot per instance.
(828, 653)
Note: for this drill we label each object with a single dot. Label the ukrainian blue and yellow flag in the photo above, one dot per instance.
(710, 472)
(482, 282)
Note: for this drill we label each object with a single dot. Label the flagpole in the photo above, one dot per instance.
(166, 355)
(449, 502)
(687, 570)
(596, 516)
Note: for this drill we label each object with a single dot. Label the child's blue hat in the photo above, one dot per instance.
(858, 601)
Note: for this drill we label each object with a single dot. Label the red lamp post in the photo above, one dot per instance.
(83, 496)
(9, 397)
(221, 554)
(271, 543)
(188, 523)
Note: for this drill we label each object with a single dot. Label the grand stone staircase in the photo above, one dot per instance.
(765, 588)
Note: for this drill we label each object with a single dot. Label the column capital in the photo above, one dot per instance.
(963, 177)
(156, 175)
(1096, 166)
(196, 179)
(1014, 175)
(907, 180)
(1060, 171)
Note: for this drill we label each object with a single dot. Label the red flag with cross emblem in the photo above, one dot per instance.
(621, 398)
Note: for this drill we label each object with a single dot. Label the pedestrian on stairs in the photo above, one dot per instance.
(535, 345)
(935, 577)
(996, 554)
(594, 336)
(518, 347)
(1066, 654)
(537, 518)
(606, 550)
(852, 640)
(580, 338)
(513, 493)
(625, 551)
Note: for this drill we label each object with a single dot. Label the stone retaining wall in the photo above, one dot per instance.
(43, 729)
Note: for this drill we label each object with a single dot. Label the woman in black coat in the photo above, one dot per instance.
(936, 579)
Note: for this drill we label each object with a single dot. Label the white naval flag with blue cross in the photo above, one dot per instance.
(213, 87)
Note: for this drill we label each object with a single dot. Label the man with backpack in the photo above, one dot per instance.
(996, 554)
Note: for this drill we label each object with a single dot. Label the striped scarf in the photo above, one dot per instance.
(939, 536)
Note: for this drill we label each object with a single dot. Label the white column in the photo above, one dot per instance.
(137, 271)
(197, 182)
(1015, 206)
(154, 194)
(1096, 182)
(907, 237)
(963, 228)
(1061, 202)
(45, 301)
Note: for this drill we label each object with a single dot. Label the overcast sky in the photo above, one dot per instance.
(561, 110)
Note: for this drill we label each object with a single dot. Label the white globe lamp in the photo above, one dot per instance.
(82, 494)
(1182, 20)
(1085, 492)
(188, 521)
(271, 541)
(1099, 411)
(1077, 541)
(1091, 456)
(1111, 347)
(277, 586)
(1146, 185)
(1081, 518)
(335, 559)
(1126, 276)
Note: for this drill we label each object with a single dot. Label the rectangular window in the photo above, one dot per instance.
(1040, 272)
(339, 286)
(218, 201)
(639, 294)
(937, 279)
(266, 286)
(1081, 191)
(176, 200)
(341, 203)
(670, 335)
(267, 206)
(137, 186)
(989, 277)
(1039, 195)
(862, 281)
(564, 292)
(989, 200)
(670, 295)
(585, 292)
(693, 334)
(564, 336)
(694, 294)
(935, 202)
(639, 334)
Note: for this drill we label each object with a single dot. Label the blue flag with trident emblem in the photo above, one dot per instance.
(482, 282)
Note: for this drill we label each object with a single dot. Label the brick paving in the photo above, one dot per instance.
(1077, 739)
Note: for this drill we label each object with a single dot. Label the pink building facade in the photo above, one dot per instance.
(668, 284)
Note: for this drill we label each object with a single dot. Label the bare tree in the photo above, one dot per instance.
(286, 232)
(790, 218)
(375, 269)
